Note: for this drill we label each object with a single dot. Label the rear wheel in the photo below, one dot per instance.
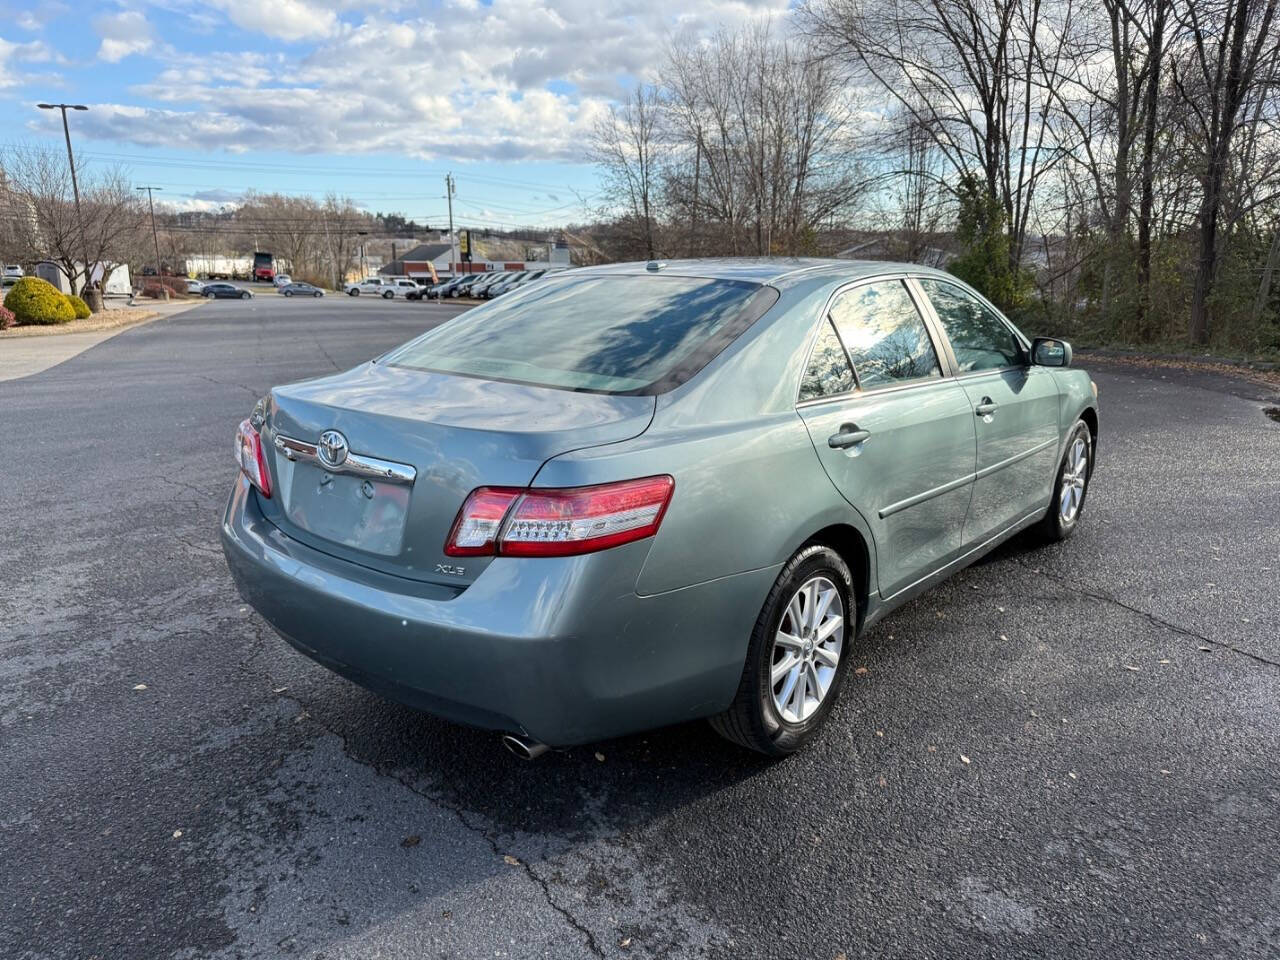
(1070, 488)
(796, 657)
(288, 293)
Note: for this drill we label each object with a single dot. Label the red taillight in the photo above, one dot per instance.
(558, 522)
(249, 456)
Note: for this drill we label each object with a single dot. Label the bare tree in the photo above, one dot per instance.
(1228, 73)
(626, 145)
(45, 221)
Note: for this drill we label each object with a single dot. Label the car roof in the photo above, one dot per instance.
(775, 271)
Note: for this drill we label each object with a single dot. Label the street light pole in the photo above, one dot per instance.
(75, 186)
(453, 239)
(154, 236)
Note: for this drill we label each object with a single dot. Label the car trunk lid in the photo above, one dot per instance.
(416, 443)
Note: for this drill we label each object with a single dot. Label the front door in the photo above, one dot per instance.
(1015, 410)
(895, 438)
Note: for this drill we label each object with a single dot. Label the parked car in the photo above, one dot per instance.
(445, 288)
(653, 492)
(504, 282)
(282, 280)
(195, 286)
(12, 270)
(479, 288)
(375, 286)
(401, 287)
(419, 291)
(224, 291)
(463, 287)
(528, 276)
(300, 289)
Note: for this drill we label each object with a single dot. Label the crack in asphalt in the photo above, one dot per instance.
(256, 394)
(1146, 614)
(244, 667)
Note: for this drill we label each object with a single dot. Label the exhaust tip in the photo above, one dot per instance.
(523, 747)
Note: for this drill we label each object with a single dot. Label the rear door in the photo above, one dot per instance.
(1015, 409)
(895, 436)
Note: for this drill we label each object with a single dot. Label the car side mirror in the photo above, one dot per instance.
(1050, 352)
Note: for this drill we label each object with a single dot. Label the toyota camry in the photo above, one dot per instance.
(634, 495)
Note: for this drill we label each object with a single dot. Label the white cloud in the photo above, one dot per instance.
(14, 55)
(123, 34)
(517, 80)
(290, 20)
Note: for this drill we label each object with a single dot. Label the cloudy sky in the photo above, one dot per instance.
(375, 100)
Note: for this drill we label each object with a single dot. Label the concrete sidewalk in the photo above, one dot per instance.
(24, 356)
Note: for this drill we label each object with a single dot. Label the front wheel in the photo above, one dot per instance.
(1070, 488)
(245, 295)
(796, 657)
(353, 293)
(317, 294)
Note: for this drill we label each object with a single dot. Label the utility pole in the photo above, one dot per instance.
(75, 187)
(155, 237)
(453, 239)
(364, 272)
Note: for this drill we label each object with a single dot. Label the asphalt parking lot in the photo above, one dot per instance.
(1062, 752)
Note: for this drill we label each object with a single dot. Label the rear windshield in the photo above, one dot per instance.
(603, 334)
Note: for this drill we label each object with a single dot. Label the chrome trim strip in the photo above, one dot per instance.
(947, 487)
(987, 471)
(356, 464)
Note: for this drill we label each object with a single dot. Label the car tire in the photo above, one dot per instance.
(288, 293)
(353, 293)
(1070, 488)
(755, 720)
(209, 296)
(389, 295)
(245, 294)
(318, 293)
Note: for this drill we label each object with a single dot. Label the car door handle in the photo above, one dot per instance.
(985, 408)
(848, 436)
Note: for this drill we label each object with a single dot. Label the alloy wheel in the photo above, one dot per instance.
(806, 649)
(1075, 474)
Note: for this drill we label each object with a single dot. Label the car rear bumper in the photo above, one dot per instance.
(560, 649)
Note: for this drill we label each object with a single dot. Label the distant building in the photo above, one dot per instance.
(418, 263)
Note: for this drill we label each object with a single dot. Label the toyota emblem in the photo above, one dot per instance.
(332, 448)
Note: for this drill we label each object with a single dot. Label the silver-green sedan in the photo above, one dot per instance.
(635, 495)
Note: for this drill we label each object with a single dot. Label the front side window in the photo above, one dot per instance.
(885, 335)
(979, 338)
(601, 333)
(828, 372)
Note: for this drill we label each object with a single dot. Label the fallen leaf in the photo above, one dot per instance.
(1165, 772)
(1072, 776)
(177, 834)
(625, 943)
(411, 841)
(879, 733)
(279, 689)
(1205, 649)
(1129, 666)
(509, 860)
(1004, 638)
(600, 756)
(300, 717)
(860, 671)
(932, 749)
(1001, 609)
(965, 759)
(1166, 661)
(139, 686)
(1034, 714)
(883, 782)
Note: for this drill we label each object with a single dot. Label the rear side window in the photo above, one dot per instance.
(979, 338)
(605, 334)
(828, 372)
(885, 335)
